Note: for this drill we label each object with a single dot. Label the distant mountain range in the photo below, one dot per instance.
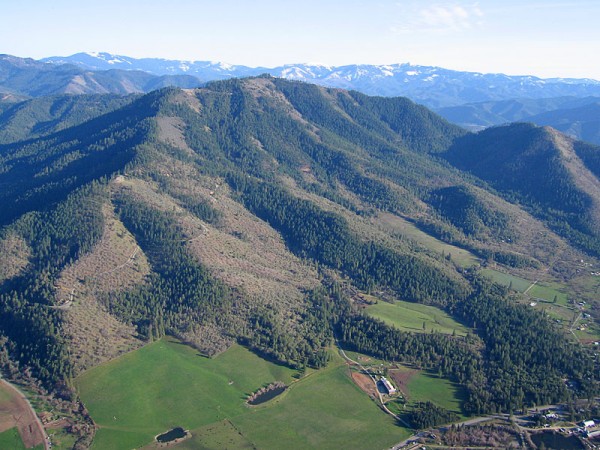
(432, 86)
(577, 117)
(24, 77)
(471, 100)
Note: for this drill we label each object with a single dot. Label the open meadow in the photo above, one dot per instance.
(415, 317)
(424, 386)
(167, 384)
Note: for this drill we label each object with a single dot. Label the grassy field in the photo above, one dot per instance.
(411, 316)
(326, 411)
(460, 256)
(220, 435)
(167, 384)
(547, 292)
(518, 284)
(426, 386)
(422, 386)
(10, 439)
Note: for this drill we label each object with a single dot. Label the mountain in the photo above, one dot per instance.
(30, 78)
(476, 116)
(266, 212)
(46, 115)
(432, 86)
(540, 168)
(581, 122)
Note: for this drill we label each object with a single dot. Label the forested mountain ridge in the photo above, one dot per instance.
(251, 211)
(551, 173)
(42, 116)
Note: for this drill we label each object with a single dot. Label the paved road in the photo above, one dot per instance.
(477, 420)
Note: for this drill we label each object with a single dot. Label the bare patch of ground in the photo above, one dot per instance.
(15, 411)
(365, 383)
(401, 377)
(188, 97)
(115, 264)
(170, 131)
(247, 253)
(264, 88)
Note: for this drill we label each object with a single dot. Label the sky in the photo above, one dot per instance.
(551, 38)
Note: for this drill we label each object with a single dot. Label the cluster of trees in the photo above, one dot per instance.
(527, 358)
(428, 414)
(460, 206)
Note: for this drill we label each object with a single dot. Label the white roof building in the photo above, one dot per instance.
(388, 386)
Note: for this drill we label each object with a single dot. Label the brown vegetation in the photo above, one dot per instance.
(15, 256)
(401, 378)
(488, 436)
(16, 412)
(170, 131)
(115, 264)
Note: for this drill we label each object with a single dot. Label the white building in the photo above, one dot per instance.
(388, 386)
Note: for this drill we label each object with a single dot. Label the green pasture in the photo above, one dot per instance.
(409, 316)
(518, 284)
(11, 439)
(220, 435)
(426, 386)
(167, 384)
(326, 411)
(460, 256)
(547, 292)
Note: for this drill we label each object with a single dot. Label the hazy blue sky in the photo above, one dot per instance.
(545, 38)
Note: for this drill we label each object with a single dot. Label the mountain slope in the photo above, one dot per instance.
(257, 211)
(46, 115)
(540, 168)
(476, 116)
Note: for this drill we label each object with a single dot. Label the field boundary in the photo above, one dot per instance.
(30, 427)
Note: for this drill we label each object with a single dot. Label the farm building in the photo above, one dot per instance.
(388, 386)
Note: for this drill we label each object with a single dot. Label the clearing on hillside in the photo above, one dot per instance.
(415, 317)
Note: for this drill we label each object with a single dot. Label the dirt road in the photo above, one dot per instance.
(17, 411)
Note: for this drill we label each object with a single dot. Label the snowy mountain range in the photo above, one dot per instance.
(433, 86)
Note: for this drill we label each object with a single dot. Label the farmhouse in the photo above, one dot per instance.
(388, 386)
